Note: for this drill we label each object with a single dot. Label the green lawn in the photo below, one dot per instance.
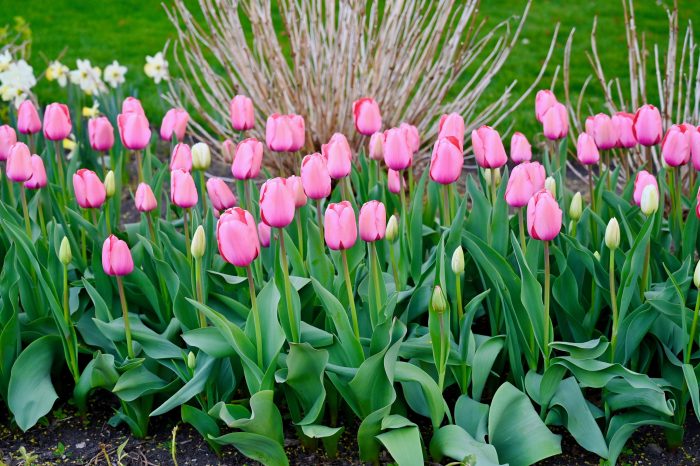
(128, 30)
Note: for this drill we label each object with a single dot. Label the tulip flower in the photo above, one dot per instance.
(338, 156)
(144, 199)
(520, 148)
(132, 105)
(38, 178)
(134, 130)
(89, 190)
(543, 216)
(525, 180)
(624, 127)
(241, 113)
(183, 192)
(315, 177)
(277, 203)
(376, 147)
(694, 148)
(28, 121)
(446, 161)
(57, 124)
(181, 158)
(398, 155)
(394, 181)
(264, 232)
(488, 148)
(412, 136)
(697, 204)
(647, 125)
(174, 122)
(603, 131)
(228, 150)
(101, 134)
(19, 163)
(372, 221)
(649, 202)
(587, 150)
(544, 100)
(117, 261)
(296, 188)
(247, 160)
(368, 118)
(8, 138)
(220, 194)
(555, 122)
(575, 211)
(452, 125)
(285, 133)
(201, 156)
(675, 147)
(642, 180)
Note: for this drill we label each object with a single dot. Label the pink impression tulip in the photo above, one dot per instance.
(603, 130)
(647, 125)
(543, 216)
(412, 136)
(525, 180)
(237, 237)
(181, 158)
(285, 133)
(116, 257)
(220, 194)
(101, 134)
(28, 121)
(276, 203)
(315, 177)
(38, 179)
(228, 150)
(586, 149)
(8, 138)
(376, 146)
(675, 147)
(57, 124)
(446, 161)
(642, 180)
(624, 126)
(555, 122)
(452, 124)
(488, 148)
(520, 148)
(544, 100)
(144, 199)
(134, 130)
(368, 118)
(338, 156)
(132, 105)
(372, 221)
(264, 232)
(296, 187)
(19, 163)
(394, 181)
(339, 228)
(89, 190)
(398, 155)
(241, 113)
(183, 192)
(174, 122)
(247, 160)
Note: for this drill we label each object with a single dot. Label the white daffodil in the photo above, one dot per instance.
(17, 81)
(5, 60)
(88, 77)
(156, 67)
(114, 74)
(57, 71)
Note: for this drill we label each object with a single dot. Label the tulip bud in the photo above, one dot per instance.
(496, 176)
(437, 301)
(190, 360)
(201, 156)
(612, 234)
(64, 252)
(696, 276)
(550, 184)
(650, 200)
(228, 150)
(109, 184)
(576, 207)
(458, 261)
(199, 243)
(392, 229)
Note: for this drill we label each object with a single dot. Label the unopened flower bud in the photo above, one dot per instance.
(650, 200)
(64, 252)
(550, 184)
(696, 276)
(612, 234)
(201, 156)
(496, 176)
(576, 207)
(190, 360)
(392, 229)
(458, 261)
(437, 301)
(199, 243)
(109, 183)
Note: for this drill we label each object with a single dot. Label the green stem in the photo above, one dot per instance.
(10, 190)
(185, 223)
(40, 213)
(394, 269)
(256, 316)
(125, 315)
(546, 304)
(351, 299)
(72, 360)
(288, 289)
(151, 230)
(645, 271)
(107, 219)
(613, 300)
(446, 206)
(199, 289)
(443, 353)
(521, 227)
(104, 164)
(320, 217)
(203, 195)
(300, 235)
(61, 176)
(493, 187)
(404, 205)
(375, 277)
(139, 170)
(458, 293)
(25, 211)
(693, 329)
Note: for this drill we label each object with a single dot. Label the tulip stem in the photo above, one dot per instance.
(83, 241)
(287, 289)
(546, 305)
(375, 278)
(493, 187)
(40, 213)
(185, 223)
(61, 176)
(66, 316)
(351, 299)
(613, 301)
(104, 164)
(93, 212)
(521, 227)
(444, 347)
(199, 289)
(320, 217)
(10, 190)
(590, 187)
(404, 206)
(256, 316)
(125, 314)
(458, 292)
(693, 328)
(203, 196)
(139, 170)
(248, 201)
(150, 226)
(109, 226)
(645, 271)
(25, 211)
(446, 206)
(394, 269)
(300, 236)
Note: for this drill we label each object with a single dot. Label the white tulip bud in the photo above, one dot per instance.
(458, 261)
(696, 276)
(64, 252)
(612, 234)
(437, 301)
(392, 229)
(650, 200)
(109, 184)
(576, 207)
(201, 156)
(550, 184)
(199, 243)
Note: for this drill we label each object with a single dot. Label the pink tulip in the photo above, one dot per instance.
(101, 134)
(368, 119)
(647, 125)
(134, 130)
(488, 148)
(89, 190)
(8, 138)
(695, 147)
(264, 232)
(228, 150)
(248, 159)
(19, 163)
(675, 147)
(181, 158)
(394, 181)
(183, 192)
(237, 237)
(145, 200)
(555, 122)
(296, 187)
(446, 161)
(339, 228)
(276, 203)
(603, 130)
(520, 148)
(586, 149)
(525, 180)
(642, 180)
(398, 155)
(624, 126)
(285, 133)
(28, 121)
(57, 124)
(543, 216)
(38, 179)
(372, 221)
(544, 100)
(241, 113)
(338, 156)
(116, 257)
(174, 122)
(697, 205)
(376, 146)
(315, 177)
(412, 136)
(452, 125)
(132, 105)
(220, 194)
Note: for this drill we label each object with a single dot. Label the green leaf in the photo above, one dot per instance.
(456, 443)
(194, 386)
(403, 443)
(484, 358)
(304, 376)
(205, 424)
(256, 447)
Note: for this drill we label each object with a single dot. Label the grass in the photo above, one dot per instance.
(128, 30)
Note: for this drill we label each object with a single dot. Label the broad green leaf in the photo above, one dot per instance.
(456, 443)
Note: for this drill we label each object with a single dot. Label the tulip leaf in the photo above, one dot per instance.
(456, 443)
(203, 368)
